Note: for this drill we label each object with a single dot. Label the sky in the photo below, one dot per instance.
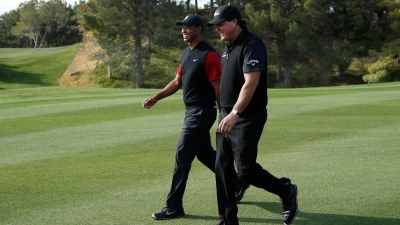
(8, 5)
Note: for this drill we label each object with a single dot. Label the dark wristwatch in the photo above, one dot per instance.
(235, 112)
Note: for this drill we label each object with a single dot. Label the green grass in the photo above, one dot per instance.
(34, 67)
(95, 156)
(27, 68)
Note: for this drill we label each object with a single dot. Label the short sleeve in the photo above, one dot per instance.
(213, 66)
(178, 70)
(255, 57)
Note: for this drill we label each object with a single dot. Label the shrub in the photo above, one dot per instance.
(385, 69)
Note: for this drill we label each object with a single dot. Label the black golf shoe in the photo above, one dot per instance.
(290, 206)
(168, 213)
(240, 189)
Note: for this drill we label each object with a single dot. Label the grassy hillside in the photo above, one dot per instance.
(22, 68)
(34, 67)
(95, 156)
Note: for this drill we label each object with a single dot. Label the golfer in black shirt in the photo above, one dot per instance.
(243, 100)
(199, 74)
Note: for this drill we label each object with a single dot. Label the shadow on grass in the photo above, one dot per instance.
(303, 218)
(10, 75)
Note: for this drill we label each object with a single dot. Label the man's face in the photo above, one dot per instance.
(190, 33)
(226, 30)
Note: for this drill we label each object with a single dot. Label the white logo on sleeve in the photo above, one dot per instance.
(194, 60)
(224, 55)
(253, 62)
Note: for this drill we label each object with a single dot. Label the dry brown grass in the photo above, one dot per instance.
(78, 71)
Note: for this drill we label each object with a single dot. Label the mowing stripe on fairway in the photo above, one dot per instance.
(43, 109)
(98, 157)
(291, 106)
(59, 142)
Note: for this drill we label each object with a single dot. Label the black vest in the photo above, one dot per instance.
(233, 76)
(197, 89)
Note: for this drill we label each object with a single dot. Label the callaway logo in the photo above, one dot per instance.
(194, 60)
(224, 55)
(217, 13)
(253, 62)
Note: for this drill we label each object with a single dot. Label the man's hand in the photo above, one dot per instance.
(149, 102)
(226, 125)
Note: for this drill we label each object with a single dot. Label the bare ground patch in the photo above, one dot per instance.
(77, 73)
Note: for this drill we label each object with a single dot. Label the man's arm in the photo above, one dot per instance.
(247, 91)
(245, 95)
(215, 84)
(170, 89)
(213, 70)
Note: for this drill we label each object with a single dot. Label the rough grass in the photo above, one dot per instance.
(95, 156)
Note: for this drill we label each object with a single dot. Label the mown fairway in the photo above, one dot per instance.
(95, 156)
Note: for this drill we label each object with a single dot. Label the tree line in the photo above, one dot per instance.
(310, 42)
(41, 23)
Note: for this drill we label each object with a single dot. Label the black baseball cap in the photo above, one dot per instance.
(191, 20)
(227, 12)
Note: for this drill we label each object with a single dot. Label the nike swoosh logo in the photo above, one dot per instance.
(194, 60)
(240, 192)
(170, 213)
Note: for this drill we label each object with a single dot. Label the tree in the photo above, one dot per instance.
(102, 38)
(346, 29)
(211, 9)
(8, 39)
(127, 22)
(220, 2)
(317, 38)
(138, 12)
(272, 21)
(187, 6)
(53, 13)
(391, 10)
(65, 32)
(30, 21)
(387, 66)
(109, 52)
(326, 20)
(38, 18)
(161, 23)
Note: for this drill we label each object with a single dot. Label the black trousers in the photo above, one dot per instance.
(194, 141)
(240, 147)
